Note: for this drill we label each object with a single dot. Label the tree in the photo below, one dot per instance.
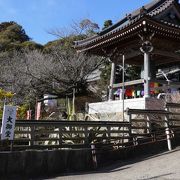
(33, 72)
(5, 97)
(87, 27)
(84, 27)
(31, 45)
(131, 73)
(30, 70)
(11, 36)
(65, 43)
(107, 24)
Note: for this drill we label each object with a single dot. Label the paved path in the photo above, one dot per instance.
(165, 166)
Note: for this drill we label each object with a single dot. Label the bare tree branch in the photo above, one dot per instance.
(55, 73)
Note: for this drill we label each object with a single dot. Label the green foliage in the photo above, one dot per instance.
(107, 24)
(13, 32)
(133, 72)
(21, 111)
(105, 73)
(5, 96)
(65, 43)
(11, 36)
(103, 83)
(31, 45)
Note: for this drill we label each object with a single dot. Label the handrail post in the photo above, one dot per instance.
(60, 135)
(109, 133)
(94, 158)
(167, 131)
(70, 131)
(86, 134)
(32, 135)
(148, 124)
(130, 122)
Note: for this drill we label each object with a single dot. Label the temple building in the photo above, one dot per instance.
(148, 37)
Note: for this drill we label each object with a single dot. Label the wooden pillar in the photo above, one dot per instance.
(110, 98)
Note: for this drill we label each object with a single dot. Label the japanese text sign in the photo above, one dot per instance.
(8, 122)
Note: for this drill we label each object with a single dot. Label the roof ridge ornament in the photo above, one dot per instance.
(129, 16)
(143, 10)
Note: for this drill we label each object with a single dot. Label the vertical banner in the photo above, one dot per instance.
(8, 122)
(29, 112)
(38, 110)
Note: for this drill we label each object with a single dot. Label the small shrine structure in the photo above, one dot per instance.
(148, 37)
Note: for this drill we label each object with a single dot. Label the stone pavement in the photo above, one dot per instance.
(165, 166)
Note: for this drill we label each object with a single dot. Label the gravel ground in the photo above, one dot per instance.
(165, 166)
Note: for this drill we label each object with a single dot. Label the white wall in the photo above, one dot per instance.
(116, 106)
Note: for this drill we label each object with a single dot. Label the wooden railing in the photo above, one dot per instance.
(157, 124)
(142, 126)
(68, 134)
(174, 116)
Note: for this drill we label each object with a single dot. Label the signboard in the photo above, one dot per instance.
(8, 122)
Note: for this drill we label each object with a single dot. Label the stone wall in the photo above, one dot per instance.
(43, 163)
(46, 163)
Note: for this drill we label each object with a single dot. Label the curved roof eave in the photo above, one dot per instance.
(168, 28)
(149, 7)
(153, 9)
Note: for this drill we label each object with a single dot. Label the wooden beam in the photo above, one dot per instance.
(132, 54)
(170, 83)
(141, 81)
(167, 54)
(130, 83)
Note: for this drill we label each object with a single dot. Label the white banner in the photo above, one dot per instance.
(8, 122)
(38, 110)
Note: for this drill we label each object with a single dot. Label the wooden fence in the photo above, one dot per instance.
(142, 126)
(174, 116)
(68, 134)
(150, 125)
(155, 125)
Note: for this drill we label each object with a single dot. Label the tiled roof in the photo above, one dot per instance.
(161, 7)
(170, 24)
(152, 9)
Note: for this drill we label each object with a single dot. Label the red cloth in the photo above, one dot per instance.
(152, 86)
(128, 92)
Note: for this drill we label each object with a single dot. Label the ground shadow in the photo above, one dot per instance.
(118, 166)
(115, 166)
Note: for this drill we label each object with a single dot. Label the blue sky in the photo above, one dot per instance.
(39, 16)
